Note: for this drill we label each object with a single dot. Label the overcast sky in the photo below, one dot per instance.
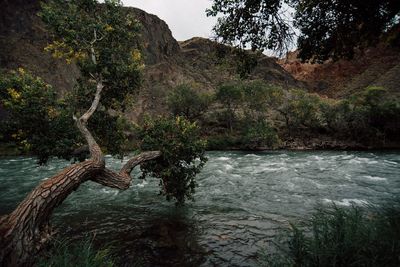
(185, 18)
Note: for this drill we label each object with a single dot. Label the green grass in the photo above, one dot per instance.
(336, 236)
(80, 254)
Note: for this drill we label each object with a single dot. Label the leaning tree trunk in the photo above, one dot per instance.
(24, 232)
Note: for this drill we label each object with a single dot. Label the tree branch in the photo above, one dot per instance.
(94, 148)
(122, 180)
(139, 159)
(85, 117)
(112, 179)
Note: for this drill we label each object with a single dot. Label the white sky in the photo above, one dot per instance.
(185, 18)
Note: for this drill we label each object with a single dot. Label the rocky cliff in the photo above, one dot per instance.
(168, 63)
(376, 66)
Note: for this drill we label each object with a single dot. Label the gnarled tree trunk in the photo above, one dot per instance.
(24, 231)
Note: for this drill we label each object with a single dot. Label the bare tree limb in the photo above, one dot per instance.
(139, 159)
(123, 179)
(95, 150)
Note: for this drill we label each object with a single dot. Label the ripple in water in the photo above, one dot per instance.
(242, 199)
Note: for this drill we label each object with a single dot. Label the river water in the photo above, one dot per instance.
(241, 201)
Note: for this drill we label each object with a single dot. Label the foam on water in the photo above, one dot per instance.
(375, 178)
(241, 200)
(347, 202)
(223, 158)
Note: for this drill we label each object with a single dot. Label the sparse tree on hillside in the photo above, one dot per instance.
(230, 96)
(185, 101)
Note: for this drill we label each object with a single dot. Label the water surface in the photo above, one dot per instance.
(241, 201)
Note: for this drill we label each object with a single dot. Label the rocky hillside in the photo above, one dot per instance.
(168, 63)
(377, 66)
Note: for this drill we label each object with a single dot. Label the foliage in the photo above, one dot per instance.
(259, 134)
(297, 107)
(246, 105)
(112, 133)
(230, 96)
(369, 116)
(261, 24)
(35, 120)
(350, 25)
(185, 101)
(183, 155)
(108, 126)
(258, 96)
(327, 29)
(222, 141)
(245, 62)
(82, 254)
(341, 237)
(102, 40)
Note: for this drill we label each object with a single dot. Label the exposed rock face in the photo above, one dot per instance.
(157, 38)
(168, 63)
(22, 42)
(377, 66)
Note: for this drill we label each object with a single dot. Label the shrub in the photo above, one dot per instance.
(231, 97)
(81, 254)
(223, 141)
(186, 101)
(369, 117)
(259, 134)
(341, 237)
(260, 97)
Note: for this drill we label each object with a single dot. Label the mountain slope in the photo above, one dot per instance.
(377, 66)
(168, 63)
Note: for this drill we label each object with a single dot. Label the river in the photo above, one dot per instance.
(242, 199)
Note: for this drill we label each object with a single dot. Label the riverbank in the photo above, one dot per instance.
(291, 144)
(299, 143)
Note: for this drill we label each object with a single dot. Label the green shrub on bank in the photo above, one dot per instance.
(186, 101)
(341, 237)
(371, 116)
(224, 141)
(230, 96)
(259, 134)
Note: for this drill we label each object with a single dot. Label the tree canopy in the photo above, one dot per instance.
(102, 40)
(186, 101)
(35, 120)
(327, 29)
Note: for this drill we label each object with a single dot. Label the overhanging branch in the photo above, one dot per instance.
(122, 180)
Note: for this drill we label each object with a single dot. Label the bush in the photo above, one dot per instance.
(259, 134)
(260, 97)
(300, 108)
(370, 117)
(341, 237)
(231, 97)
(224, 141)
(186, 101)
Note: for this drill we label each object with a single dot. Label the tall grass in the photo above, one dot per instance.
(337, 236)
(81, 254)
